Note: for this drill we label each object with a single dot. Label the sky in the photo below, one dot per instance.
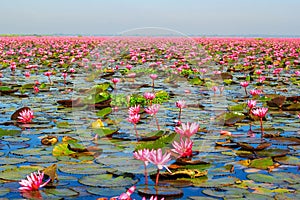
(188, 17)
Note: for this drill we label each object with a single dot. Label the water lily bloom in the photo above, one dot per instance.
(214, 89)
(180, 104)
(134, 118)
(258, 72)
(25, 116)
(115, 80)
(27, 74)
(244, 84)
(149, 96)
(34, 182)
(153, 76)
(134, 110)
(183, 148)
(187, 129)
(152, 110)
(72, 70)
(160, 160)
(36, 89)
(255, 92)
(251, 104)
(143, 155)
(261, 113)
(127, 194)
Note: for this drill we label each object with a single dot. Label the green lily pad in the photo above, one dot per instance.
(31, 152)
(83, 169)
(107, 180)
(218, 182)
(106, 192)
(163, 191)
(104, 112)
(11, 161)
(287, 196)
(261, 163)
(225, 192)
(4, 132)
(288, 160)
(272, 152)
(231, 118)
(15, 139)
(263, 178)
(41, 159)
(105, 132)
(61, 192)
(16, 174)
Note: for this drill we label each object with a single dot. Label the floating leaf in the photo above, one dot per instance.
(261, 163)
(16, 174)
(162, 191)
(11, 161)
(288, 160)
(104, 112)
(263, 178)
(61, 192)
(5, 132)
(106, 180)
(83, 169)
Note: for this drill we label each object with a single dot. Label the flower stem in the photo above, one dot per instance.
(179, 115)
(136, 133)
(157, 122)
(261, 128)
(146, 174)
(246, 91)
(157, 177)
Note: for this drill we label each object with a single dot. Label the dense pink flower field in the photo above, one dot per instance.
(211, 99)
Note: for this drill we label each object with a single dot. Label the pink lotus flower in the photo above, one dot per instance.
(126, 196)
(153, 76)
(26, 116)
(115, 80)
(34, 182)
(48, 74)
(187, 129)
(244, 84)
(261, 113)
(180, 104)
(255, 92)
(134, 110)
(134, 118)
(152, 110)
(72, 70)
(184, 148)
(258, 72)
(27, 74)
(143, 155)
(149, 96)
(160, 160)
(299, 115)
(36, 89)
(251, 104)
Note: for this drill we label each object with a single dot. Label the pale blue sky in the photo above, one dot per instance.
(196, 17)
